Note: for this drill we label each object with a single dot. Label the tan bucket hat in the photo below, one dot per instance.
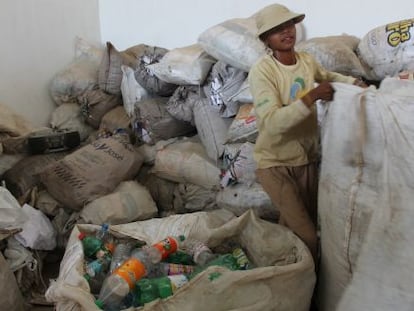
(274, 15)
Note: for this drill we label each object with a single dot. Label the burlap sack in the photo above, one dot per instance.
(92, 171)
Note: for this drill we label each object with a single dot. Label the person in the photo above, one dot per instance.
(282, 84)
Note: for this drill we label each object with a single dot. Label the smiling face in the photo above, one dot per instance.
(281, 38)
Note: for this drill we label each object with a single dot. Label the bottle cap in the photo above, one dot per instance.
(99, 304)
(105, 226)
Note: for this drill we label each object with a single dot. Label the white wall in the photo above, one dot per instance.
(170, 24)
(37, 41)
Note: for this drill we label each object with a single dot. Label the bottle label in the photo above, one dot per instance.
(177, 281)
(166, 247)
(131, 271)
(241, 258)
(174, 269)
(197, 249)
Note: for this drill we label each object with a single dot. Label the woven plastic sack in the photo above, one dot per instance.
(284, 267)
(388, 49)
(184, 66)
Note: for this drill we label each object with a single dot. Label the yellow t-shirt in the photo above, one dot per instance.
(288, 129)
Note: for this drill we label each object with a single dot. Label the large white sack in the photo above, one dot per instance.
(380, 214)
(68, 116)
(234, 42)
(365, 170)
(152, 122)
(284, 272)
(73, 80)
(87, 50)
(223, 82)
(388, 49)
(186, 161)
(183, 66)
(211, 128)
(336, 53)
(79, 76)
(191, 198)
(243, 94)
(130, 201)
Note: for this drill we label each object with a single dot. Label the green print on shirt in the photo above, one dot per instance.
(297, 90)
(263, 102)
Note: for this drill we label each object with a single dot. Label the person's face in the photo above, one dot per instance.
(282, 37)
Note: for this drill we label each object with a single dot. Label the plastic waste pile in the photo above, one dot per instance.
(128, 273)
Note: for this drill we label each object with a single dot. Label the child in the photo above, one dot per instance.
(286, 150)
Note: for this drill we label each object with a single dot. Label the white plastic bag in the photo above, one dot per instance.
(38, 232)
(11, 213)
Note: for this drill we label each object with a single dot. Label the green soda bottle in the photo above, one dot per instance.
(227, 260)
(147, 291)
(91, 246)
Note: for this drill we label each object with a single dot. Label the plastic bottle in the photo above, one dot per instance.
(119, 283)
(226, 260)
(140, 264)
(96, 272)
(180, 257)
(169, 245)
(200, 252)
(104, 235)
(166, 268)
(163, 287)
(97, 266)
(122, 251)
(241, 258)
(92, 246)
(103, 232)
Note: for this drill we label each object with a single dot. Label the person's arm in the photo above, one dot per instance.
(275, 116)
(321, 74)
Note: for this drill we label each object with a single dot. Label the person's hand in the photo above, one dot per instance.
(323, 91)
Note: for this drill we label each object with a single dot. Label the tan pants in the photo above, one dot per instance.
(293, 190)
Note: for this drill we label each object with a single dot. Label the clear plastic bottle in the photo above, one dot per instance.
(122, 252)
(105, 236)
(103, 233)
(119, 283)
(140, 264)
(200, 252)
